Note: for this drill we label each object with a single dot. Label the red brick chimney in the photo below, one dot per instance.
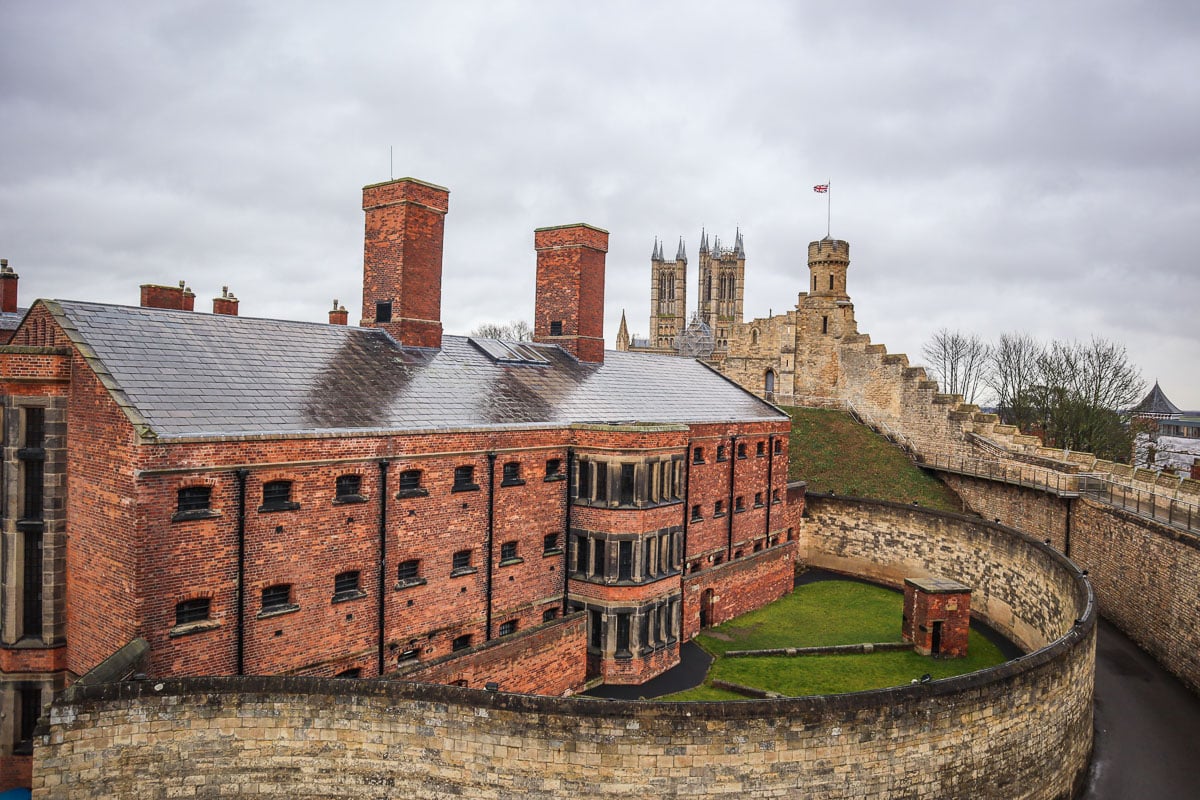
(226, 303)
(402, 260)
(338, 315)
(178, 298)
(569, 307)
(8, 286)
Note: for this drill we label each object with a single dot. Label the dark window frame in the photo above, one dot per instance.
(192, 611)
(276, 599)
(464, 479)
(462, 642)
(507, 628)
(347, 488)
(383, 310)
(277, 496)
(460, 563)
(347, 585)
(410, 484)
(509, 553)
(554, 470)
(511, 474)
(408, 573)
(551, 545)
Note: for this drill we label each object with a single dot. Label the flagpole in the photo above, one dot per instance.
(828, 208)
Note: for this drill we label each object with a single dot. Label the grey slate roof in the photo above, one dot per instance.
(1156, 404)
(196, 374)
(9, 320)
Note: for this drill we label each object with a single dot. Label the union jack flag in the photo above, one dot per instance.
(821, 188)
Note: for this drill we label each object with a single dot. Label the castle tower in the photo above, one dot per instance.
(668, 296)
(722, 288)
(824, 317)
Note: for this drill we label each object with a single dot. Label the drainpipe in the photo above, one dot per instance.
(687, 498)
(729, 509)
(491, 529)
(383, 492)
(241, 570)
(770, 468)
(566, 566)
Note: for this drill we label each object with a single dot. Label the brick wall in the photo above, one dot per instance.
(723, 592)
(550, 659)
(570, 289)
(402, 258)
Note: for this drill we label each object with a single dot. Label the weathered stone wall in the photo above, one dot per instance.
(1006, 570)
(1021, 730)
(1146, 575)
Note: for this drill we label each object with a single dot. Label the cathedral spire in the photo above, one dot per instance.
(739, 249)
(680, 254)
(655, 252)
(623, 334)
(703, 241)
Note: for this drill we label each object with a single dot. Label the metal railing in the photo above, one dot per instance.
(1144, 503)
(1014, 472)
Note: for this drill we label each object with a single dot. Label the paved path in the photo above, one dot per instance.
(1147, 727)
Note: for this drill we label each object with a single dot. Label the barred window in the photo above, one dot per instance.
(462, 560)
(348, 486)
(507, 628)
(345, 583)
(461, 642)
(409, 570)
(277, 495)
(276, 597)
(194, 610)
(410, 479)
(508, 551)
(193, 498)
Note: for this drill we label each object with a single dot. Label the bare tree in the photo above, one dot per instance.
(1073, 395)
(959, 361)
(516, 331)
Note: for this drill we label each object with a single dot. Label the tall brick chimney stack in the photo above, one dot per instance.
(178, 298)
(338, 315)
(569, 307)
(226, 303)
(8, 286)
(402, 260)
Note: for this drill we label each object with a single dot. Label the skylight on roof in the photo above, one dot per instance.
(509, 352)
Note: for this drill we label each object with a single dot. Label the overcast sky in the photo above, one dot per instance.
(996, 167)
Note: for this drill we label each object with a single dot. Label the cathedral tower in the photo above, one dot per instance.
(722, 287)
(668, 296)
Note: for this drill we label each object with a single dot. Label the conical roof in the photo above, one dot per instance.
(1157, 405)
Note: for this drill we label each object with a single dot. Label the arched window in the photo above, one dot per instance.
(754, 336)
(769, 383)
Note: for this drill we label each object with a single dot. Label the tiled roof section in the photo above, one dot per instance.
(1156, 404)
(196, 374)
(9, 320)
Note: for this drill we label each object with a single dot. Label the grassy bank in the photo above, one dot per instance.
(832, 452)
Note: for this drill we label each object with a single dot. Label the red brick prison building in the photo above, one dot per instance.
(256, 496)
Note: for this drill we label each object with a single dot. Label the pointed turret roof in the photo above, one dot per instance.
(739, 248)
(681, 254)
(703, 241)
(1157, 405)
(623, 333)
(656, 251)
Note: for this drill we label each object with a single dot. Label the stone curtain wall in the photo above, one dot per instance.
(1021, 730)
(1022, 588)
(1146, 575)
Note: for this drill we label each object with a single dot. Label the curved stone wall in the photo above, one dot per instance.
(1020, 730)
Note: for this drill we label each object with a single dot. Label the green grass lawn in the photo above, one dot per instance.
(825, 613)
(831, 451)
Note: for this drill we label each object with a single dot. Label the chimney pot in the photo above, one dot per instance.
(177, 298)
(227, 303)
